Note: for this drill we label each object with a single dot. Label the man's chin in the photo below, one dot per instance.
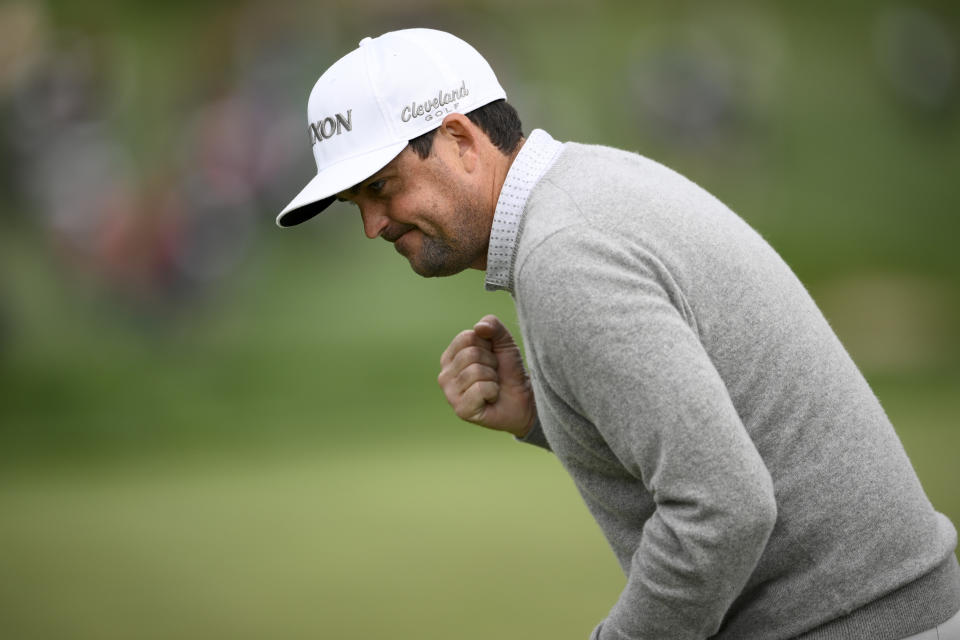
(429, 259)
(431, 271)
(432, 268)
(415, 264)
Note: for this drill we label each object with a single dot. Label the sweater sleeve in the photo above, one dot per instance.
(615, 339)
(535, 436)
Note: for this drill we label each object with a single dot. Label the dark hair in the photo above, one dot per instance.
(498, 119)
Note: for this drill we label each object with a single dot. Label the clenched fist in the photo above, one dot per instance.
(483, 377)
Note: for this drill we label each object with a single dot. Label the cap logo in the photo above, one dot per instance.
(435, 107)
(329, 127)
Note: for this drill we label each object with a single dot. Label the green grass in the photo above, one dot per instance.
(406, 542)
(468, 536)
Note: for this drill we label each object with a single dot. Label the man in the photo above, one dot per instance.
(735, 458)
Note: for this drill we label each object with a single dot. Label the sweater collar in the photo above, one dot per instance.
(537, 155)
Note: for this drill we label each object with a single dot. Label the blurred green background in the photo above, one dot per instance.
(210, 427)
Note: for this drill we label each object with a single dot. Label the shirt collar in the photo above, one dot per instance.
(537, 155)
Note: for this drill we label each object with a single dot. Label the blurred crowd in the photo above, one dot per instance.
(151, 237)
(158, 233)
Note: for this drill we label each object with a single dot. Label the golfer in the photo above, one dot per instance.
(739, 465)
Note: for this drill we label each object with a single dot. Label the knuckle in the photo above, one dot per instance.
(491, 390)
(464, 413)
(481, 371)
(473, 373)
(471, 354)
(453, 399)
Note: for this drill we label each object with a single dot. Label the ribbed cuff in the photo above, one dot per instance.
(535, 437)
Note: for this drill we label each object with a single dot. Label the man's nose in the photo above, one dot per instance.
(374, 221)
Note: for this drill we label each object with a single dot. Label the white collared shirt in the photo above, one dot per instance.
(537, 155)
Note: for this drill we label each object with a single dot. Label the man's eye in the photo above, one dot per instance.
(376, 186)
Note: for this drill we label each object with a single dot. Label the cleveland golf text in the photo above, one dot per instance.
(417, 109)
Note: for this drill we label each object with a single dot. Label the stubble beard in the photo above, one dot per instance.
(449, 253)
(438, 258)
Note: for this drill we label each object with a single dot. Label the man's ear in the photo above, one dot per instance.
(465, 135)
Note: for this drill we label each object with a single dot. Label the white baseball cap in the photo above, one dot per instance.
(372, 101)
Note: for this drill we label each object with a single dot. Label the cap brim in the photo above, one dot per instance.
(321, 191)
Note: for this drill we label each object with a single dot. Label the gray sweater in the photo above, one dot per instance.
(739, 465)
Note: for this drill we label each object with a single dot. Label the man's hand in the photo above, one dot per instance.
(483, 377)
